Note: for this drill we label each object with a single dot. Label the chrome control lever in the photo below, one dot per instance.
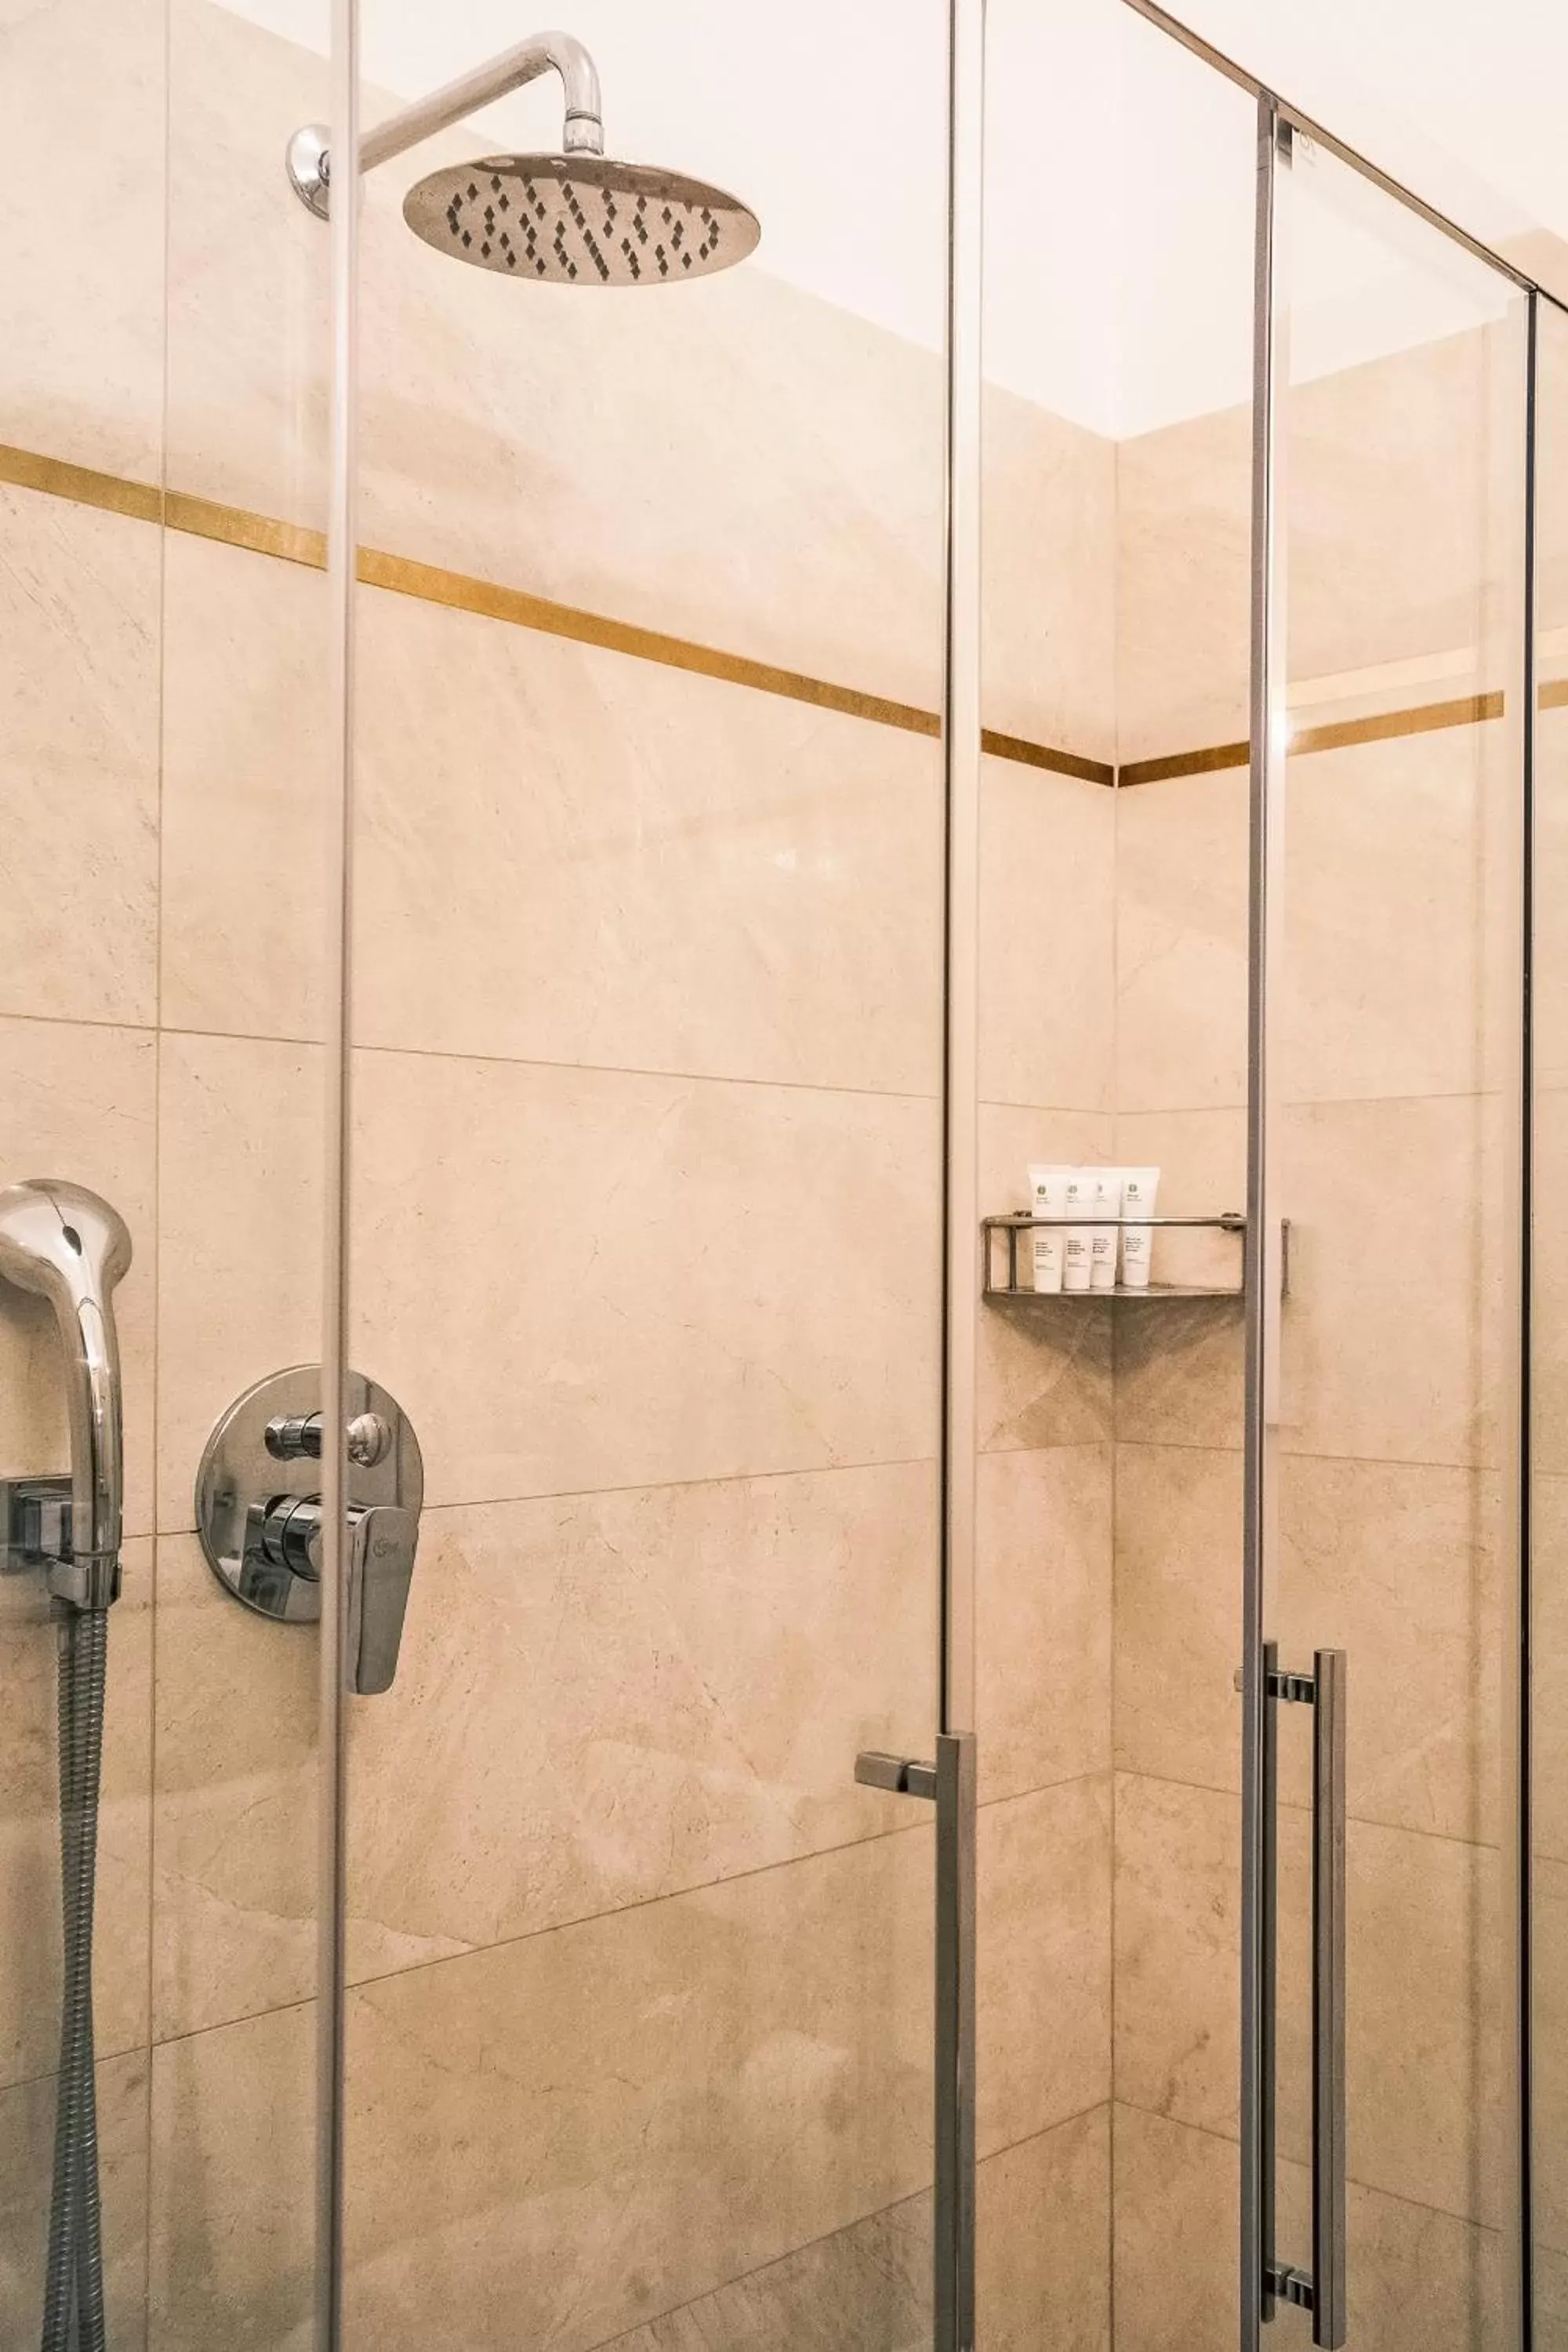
(283, 1538)
(258, 1508)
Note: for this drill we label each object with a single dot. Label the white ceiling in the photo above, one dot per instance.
(1120, 173)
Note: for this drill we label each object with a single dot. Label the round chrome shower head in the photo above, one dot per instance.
(580, 220)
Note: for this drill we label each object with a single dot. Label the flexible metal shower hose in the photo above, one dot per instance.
(73, 2293)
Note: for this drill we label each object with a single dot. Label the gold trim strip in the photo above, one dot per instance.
(1207, 762)
(1425, 718)
(143, 501)
(1338, 735)
(400, 575)
(1039, 755)
(1554, 696)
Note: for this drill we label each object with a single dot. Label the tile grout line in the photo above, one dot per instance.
(1291, 1805)
(1371, 2188)
(704, 1887)
(808, 2245)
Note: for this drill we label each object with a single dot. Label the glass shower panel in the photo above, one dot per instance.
(249, 792)
(1546, 1858)
(1392, 1007)
(82, 458)
(645, 1201)
(166, 660)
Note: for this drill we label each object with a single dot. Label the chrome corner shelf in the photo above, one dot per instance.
(1010, 1226)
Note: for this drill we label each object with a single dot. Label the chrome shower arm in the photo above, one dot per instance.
(541, 53)
(311, 164)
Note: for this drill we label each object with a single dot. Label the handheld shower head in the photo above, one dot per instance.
(70, 1246)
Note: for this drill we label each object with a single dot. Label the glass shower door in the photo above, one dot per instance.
(1546, 1850)
(645, 1198)
(1385, 1128)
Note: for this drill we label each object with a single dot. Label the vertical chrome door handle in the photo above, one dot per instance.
(1329, 1999)
(1320, 2290)
(950, 1783)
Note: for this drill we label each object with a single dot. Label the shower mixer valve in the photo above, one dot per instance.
(258, 1509)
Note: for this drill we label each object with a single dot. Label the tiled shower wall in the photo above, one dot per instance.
(647, 1025)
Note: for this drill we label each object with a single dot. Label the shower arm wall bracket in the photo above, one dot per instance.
(309, 160)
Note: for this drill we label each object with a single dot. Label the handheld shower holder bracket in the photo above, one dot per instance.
(36, 1534)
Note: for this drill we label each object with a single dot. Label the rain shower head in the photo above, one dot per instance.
(573, 219)
(580, 220)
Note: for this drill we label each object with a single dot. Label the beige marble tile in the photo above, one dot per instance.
(577, 2132)
(1047, 913)
(246, 801)
(573, 857)
(1400, 518)
(236, 1800)
(1175, 2232)
(231, 2187)
(1048, 627)
(1178, 1927)
(1403, 1567)
(249, 351)
(656, 1279)
(1043, 1615)
(1551, 2299)
(1403, 1246)
(1394, 1563)
(1043, 2268)
(1044, 1369)
(1044, 1934)
(78, 1101)
(1183, 497)
(1178, 1613)
(1402, 475)
(1551, 963)
(1416, 2278)
(869, 2285)
(1549, 2016)
(565, 855)
(1399, 959)
(27, 2145)
(1181, 942)
(563, 2137)
(1548, 1301)
(1043, 2255)
(241, 1124)
(1549, 1667)
(81, 373)
(79, 626)
(1399, 969)
(1425, 1965)
(1180, 1362)
(599, 1700)
(610, 1697)
(29, 1825)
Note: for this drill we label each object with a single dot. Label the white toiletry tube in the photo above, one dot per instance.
(1140, 1190)
(1103, 1252)
(1047, 1198)
(1077, 1240)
